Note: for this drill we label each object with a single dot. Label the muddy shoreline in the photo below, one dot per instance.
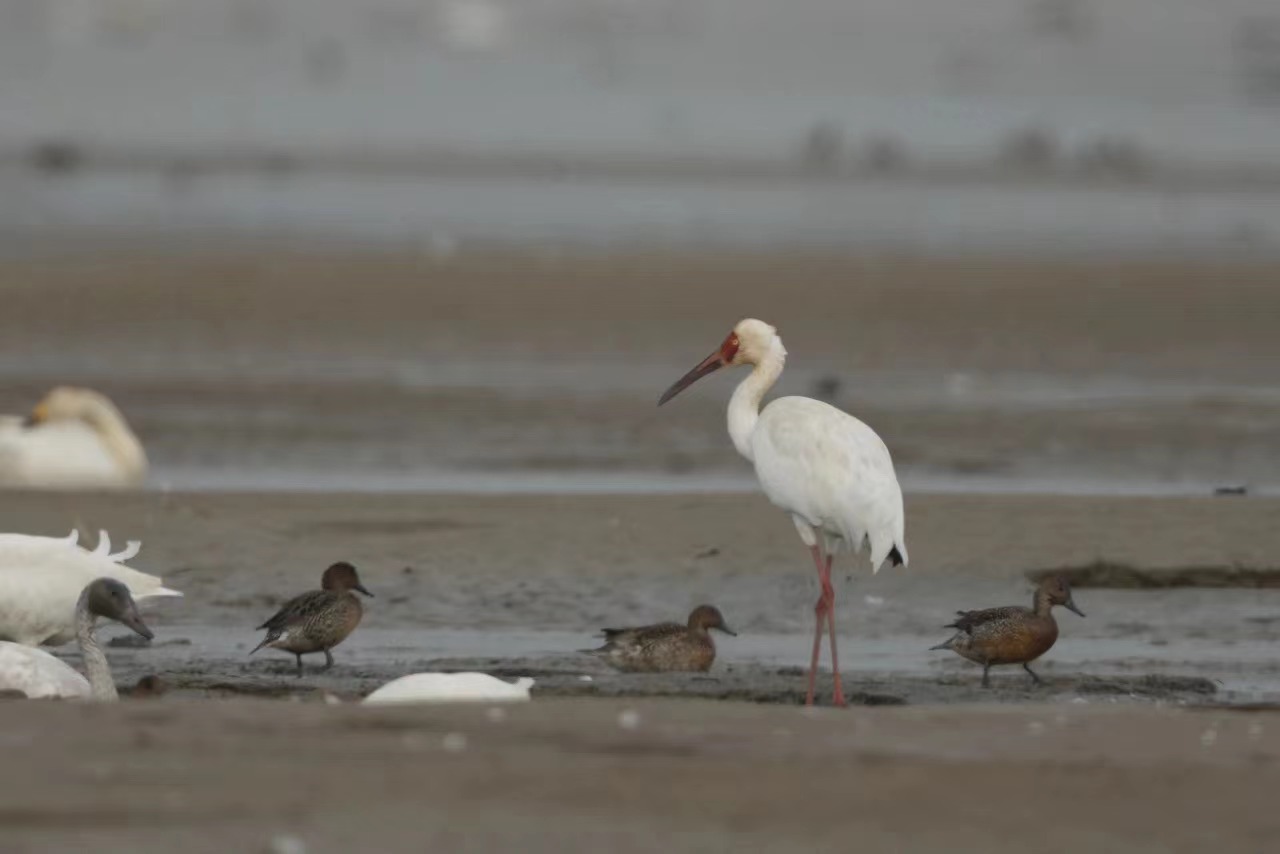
(516, 585)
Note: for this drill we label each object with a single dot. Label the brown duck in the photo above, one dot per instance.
(318, 620)
(665, 646)
(1012, 635)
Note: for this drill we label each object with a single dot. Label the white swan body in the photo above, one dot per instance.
(451, 688)
(38, 674)
(74, 439)
(41, 579)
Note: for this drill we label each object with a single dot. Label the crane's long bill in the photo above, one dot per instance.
(712, 363)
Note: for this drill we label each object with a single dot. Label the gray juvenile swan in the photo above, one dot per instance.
(39, 675)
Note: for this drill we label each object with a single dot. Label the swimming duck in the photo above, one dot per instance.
(74, 438)
(318, 620)
(1011, 635)
(665, 646)
(41, 578)
(38, 675)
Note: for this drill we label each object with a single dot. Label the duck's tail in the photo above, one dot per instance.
(949, 643)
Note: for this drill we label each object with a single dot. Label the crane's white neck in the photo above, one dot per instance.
(101, 685)
(744, 406)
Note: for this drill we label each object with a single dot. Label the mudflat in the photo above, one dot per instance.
(273, 367)
(1153, 731)
(674, 775)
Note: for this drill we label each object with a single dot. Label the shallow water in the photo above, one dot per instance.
(196, 657)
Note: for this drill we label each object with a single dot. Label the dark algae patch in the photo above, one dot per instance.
(1123, 576)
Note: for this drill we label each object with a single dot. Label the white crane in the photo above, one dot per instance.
(830, 471)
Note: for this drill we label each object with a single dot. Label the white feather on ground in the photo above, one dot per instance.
(451, 688)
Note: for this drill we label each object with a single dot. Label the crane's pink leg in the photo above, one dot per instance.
(823, 612)
(829, 592)
(819, 612)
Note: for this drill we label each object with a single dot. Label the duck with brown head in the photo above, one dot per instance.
(318, 620)
(1013, 634)
(665, 647)
(37, 674)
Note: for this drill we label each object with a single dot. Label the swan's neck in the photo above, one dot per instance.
(744, 406)
(120, 443)
(101, 685)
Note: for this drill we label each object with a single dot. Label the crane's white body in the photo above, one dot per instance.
(829, 470)
(80, 441)
(451, 688)
(39, 675)
(41, 579)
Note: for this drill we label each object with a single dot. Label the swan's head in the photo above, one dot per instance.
(706, 617)
(106, 597)
(750, 343)
(342, 577)
(68, 403)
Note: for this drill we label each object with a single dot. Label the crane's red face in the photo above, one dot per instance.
(725, 355)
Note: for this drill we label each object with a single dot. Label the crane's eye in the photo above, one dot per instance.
(729, 348)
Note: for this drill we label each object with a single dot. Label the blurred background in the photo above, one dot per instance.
(464, 244)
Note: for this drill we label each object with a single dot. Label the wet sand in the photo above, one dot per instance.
(509, 366)
(684, 776)
(517, 585)
(1145, 745)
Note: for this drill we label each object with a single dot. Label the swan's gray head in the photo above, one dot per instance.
(111, 599)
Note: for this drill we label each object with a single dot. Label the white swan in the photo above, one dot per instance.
(75, 438)
(39, 675)
(41, 579)
(450, 688)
